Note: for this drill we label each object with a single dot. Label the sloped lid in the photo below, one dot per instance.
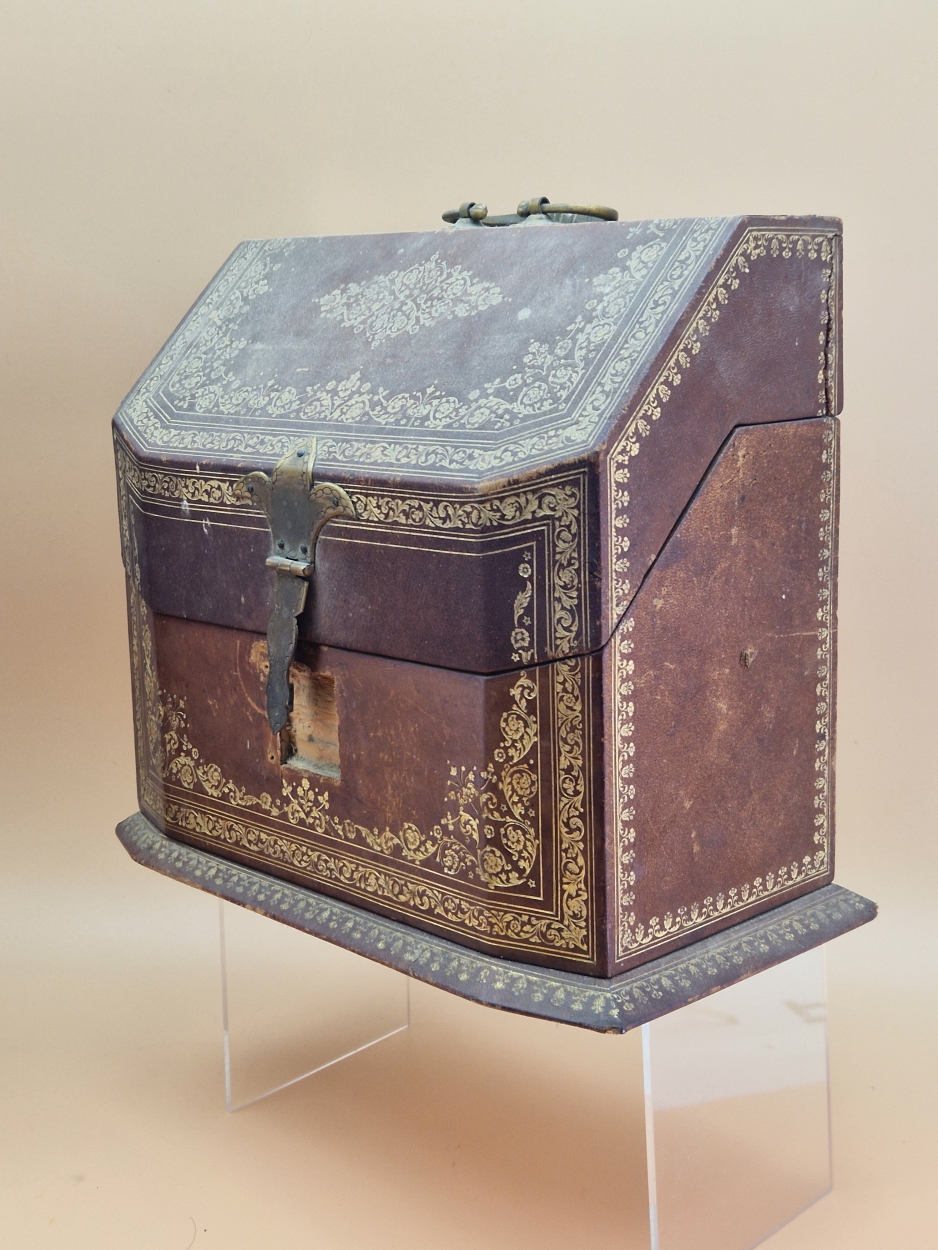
(483, 396)
(461, 355)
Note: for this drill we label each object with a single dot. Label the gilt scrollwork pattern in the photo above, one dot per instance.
(146, 705)
(490, 837)
(571, 779)
(513, 929)
(825, 610)
(494, 830)
(176, 486)
(623, 778)
(634, 934)
(521, 638)
(558, 504)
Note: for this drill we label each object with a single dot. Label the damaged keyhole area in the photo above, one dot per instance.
(310, 739)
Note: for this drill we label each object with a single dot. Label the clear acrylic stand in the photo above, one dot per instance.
(737, 1121)
(737, 1128)
(293, 1005)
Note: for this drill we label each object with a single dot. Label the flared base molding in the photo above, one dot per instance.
(615, 1005)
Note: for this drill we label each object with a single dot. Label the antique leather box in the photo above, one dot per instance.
(541, 520)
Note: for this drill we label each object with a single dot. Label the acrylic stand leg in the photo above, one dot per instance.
(735, 1086)
(293, 1005)
(736, 1110)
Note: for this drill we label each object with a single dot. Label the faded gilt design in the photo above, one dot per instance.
(614, 1005)
(633, 933)
(755, 245)
(550, 402)
(148, 729)
(496, 837)
(405, 301)
(523, 619)
(173, 775)
(559, 503)
(150, 484)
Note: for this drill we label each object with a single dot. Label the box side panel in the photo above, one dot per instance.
(719, 696)
(760, 343)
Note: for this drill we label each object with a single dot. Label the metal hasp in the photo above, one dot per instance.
(297, 509)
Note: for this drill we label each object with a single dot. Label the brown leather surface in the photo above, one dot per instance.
(729, 765)
(724, 765)
(441, 773)
(446, 593)
(759, 362)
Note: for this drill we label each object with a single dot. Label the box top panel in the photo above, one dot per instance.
(459, 355)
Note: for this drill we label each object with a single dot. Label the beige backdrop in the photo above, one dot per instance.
(140, 142)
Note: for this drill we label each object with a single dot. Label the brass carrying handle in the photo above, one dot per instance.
(472, 213)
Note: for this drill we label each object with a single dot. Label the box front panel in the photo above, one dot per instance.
(461, 804)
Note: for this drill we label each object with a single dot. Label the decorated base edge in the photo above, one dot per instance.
(615, 1005)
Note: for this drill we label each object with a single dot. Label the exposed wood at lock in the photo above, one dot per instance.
(310, 739)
